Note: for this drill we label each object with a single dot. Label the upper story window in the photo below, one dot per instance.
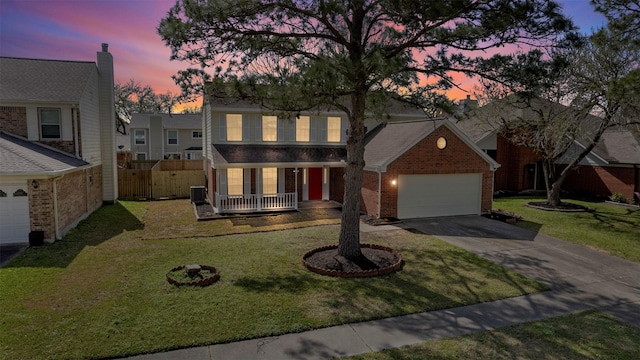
(303, 124)
(172, 137)
(234, 127)
(50, 123)
(140, 137)
(269, 128)
(196, 134)
(333, 129)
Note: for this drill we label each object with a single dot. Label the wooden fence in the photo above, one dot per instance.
(162, 179)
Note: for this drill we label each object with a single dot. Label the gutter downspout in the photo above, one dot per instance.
(56, 217)
(74, 117)
(379, 190)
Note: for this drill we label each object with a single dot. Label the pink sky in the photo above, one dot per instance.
(75, 30)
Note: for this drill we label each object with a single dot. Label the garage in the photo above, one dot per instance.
(14, 217)
(439, 195)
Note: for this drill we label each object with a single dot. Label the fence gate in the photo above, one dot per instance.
(134, 184)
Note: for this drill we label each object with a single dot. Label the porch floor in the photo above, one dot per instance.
(205, 211)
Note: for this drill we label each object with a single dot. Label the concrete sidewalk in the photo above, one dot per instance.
(580, 279)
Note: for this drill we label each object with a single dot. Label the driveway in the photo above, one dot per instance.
(568, 269)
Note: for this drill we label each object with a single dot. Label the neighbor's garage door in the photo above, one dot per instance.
(439, 195)
(14, 213)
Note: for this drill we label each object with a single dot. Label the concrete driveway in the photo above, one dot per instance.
(593, 276)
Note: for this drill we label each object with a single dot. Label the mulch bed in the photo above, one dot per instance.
(376, 260)
(563, 207)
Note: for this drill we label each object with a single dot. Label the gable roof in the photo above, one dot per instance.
(43, 80)
(169, 121)
(395, 138)
(229, 154)
(22, 157)
(619, 146)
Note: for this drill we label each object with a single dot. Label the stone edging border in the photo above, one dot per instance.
(586, 209)
(354, 274)
(202, 282)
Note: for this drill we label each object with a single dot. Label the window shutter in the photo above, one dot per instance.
(312, 128)
(292, 130)
(223, 128)
(247, 181)
(246, 130)
(280, 129)
(281, 180)
(323, 129)
(343, 130)
(222, 188)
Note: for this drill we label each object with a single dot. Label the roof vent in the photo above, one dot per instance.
(105, 47)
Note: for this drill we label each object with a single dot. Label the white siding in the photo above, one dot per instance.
(90, 122)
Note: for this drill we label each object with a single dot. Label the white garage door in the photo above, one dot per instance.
(14, 213)
(439, 195)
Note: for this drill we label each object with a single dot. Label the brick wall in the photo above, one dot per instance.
(602, 181)
(426, 158)
(41, 208)
(13, 120)
(66, 146)
(336, 184)
(513, 159)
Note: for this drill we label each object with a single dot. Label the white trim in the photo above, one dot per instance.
(177, 136)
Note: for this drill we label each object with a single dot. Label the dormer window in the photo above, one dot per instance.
(333, 129)
(303, 128)
(269, 128)
(234, 127)
(49, 123)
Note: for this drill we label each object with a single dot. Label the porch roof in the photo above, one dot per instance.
(247, 154)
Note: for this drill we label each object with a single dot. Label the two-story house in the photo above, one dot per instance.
(257, 160)
(166, 136)
(57, 144)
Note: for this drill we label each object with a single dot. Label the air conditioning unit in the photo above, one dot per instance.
(198, 194)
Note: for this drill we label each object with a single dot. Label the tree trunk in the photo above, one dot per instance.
(349, 242)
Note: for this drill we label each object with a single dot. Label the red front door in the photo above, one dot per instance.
(315, 183)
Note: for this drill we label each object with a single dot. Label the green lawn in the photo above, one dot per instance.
(101, 291)
(611, 228)
(587, 335)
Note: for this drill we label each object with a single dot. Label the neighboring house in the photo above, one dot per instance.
(166, 136)
(57, 144)
(262, 161)
(613, 166)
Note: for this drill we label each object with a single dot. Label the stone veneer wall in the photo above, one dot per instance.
(13, 120)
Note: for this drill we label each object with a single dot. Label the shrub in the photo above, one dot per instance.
(618, 197)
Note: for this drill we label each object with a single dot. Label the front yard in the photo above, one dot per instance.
(610, 228)
(101, 291)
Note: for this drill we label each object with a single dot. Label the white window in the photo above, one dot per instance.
(269, 128)
(196, 134)
(333, 129)
(172, 137)
(49, 123)
(141, 156)
(235, 181)
(234, 127)
(270, 181)
(303, 128)
(140, 137)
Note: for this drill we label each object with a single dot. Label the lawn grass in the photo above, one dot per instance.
(610, 228)
(586, 335)
(101, 291)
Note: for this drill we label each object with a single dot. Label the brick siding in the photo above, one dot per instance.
(602, 181)
(13, 120)
(513, 159)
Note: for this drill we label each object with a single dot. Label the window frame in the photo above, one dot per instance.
(272, 181)
(234, 119)
(332, 132)
(194, 132)
(169, 137)
(306, 131)
(40, 123)
(231, 184)
(272, 134)
(136, 137)
(144, 154)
